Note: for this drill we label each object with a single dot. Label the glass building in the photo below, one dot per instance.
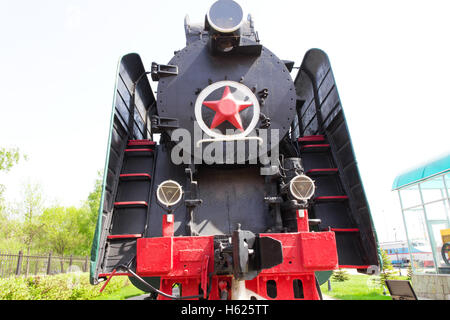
(425, 204)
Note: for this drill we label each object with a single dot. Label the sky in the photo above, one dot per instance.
(58, 59)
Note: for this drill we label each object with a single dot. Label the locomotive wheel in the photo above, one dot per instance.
(446, 253)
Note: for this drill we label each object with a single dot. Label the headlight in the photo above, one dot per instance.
(225, 16)
(301, 187)
(169, 193)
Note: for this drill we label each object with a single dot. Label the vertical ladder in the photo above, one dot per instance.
(131, 204)
(331, 203)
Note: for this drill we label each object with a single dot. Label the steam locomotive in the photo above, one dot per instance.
(235, 181)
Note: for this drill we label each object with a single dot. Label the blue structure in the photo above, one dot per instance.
(425, 203)
(435, 168)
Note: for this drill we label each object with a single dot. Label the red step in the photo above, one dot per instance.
(124, 236)
(314, 147)
(344, 230)
(145, 142)
(139, 150)
(131, 204)
(317, 138)
(325, 171)
(330, 198)
(134, 175)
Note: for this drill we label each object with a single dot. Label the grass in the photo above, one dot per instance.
(68, 286)
(123, 293)
(358, 287)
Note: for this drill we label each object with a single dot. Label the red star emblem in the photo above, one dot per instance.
(227, 109)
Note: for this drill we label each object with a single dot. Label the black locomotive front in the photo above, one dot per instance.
(252, 189)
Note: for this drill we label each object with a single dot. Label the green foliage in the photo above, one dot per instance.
(31, 208)
(340, 275)
(61, 233)
(70, 286)
(19, 225)
(358, 287)
(8, 158)
(62, 230)
(90, 219)
(388, 271)
(121, 294)
(2, 199)
(10, 234)
(71, 230)
(7, 228)
(409, 273)
(95, 196)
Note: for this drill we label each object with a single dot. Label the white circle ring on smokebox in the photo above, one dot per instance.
(221, 84)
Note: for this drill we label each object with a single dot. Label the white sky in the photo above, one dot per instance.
(391, 61)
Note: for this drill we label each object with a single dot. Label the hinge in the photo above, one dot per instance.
(163, 70)
(163, 123)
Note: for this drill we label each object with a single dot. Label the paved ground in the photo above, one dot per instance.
(142, 297)
(325, 297)
(403, 271)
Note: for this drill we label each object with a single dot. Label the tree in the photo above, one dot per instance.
(8, 158)
(340, 275)
(70, 230)
(61, 233)
(2, 199)
(409, 273)
(388, 270)
(8, 230)
(88, 216)
(85, 230)
(95, 196)
(32, 207)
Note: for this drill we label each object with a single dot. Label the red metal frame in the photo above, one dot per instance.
(131, 204)
(141, 143)
(325, 170)
(188, 261)
(312, 146)
(139, 150)
(331, 198)
(317, 138)
(344, 230)
(135, 175)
